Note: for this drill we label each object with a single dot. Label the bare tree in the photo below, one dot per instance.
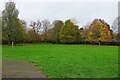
(116, 29)
(36, 29)
(45, 27)
(36, 26)
(115, 25)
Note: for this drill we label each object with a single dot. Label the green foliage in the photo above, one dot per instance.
(68, 61)
(53, 34)
(12, 26)
(69, 32)
(0, 28)
(14, 29)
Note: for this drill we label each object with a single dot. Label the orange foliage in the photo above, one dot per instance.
(99, 31)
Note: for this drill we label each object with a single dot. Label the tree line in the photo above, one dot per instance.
(16, 30)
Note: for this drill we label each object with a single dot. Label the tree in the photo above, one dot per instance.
(45, 27)
(33, 37)
(36, 26)
(99, 30)
(115, 25)
(53, 34)
(0, 29)
(82, 34)
(85, 32)
(69, 32)
(118, 37)
(23, 31)
(34, 33)
(116, 29)
(12, 28)
(24, 24)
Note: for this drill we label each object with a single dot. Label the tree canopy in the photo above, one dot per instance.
(69, 32)
(99, 31)
(12, 27)
(16, 30)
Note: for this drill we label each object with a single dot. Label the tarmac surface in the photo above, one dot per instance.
(20, 70)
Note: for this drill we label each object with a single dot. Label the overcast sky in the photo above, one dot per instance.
(83, 12)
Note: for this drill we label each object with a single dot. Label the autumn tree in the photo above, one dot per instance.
(85, 32)
(99, 30)
(12, 28)
(69, 32)
(33, 37)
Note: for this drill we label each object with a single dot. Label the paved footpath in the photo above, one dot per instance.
(16, 69)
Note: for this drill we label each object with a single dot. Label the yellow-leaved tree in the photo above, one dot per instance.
(99, 30)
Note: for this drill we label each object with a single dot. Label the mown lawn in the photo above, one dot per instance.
(68, 61)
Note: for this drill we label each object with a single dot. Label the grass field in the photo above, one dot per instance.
(68, 61)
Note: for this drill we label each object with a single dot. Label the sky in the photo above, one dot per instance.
(81, 10)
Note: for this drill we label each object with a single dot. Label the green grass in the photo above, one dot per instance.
(68, 61)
